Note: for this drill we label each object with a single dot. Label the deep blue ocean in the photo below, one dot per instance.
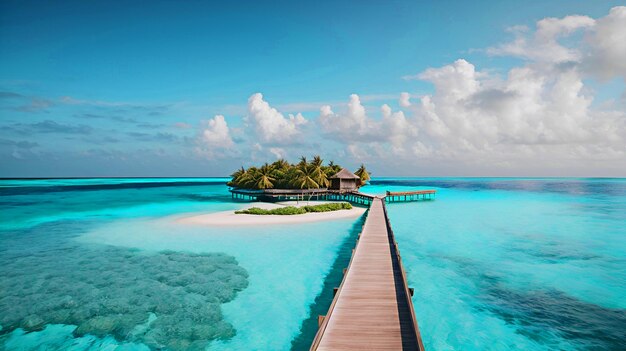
(496, 263)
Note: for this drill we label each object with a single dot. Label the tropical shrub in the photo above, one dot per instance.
(292, 210)
(329, 207)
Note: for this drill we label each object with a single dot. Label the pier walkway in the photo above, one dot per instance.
(353, 196)
(410, 195)
(372, 309)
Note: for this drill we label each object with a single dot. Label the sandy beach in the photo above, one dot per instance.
(229, 218)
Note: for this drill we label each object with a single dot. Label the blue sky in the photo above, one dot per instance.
(96, 88)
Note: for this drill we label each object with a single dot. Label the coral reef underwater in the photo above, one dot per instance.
(166, 300)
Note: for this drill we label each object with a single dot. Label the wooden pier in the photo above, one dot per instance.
(410, 196)
(322, 194)
(372, 309)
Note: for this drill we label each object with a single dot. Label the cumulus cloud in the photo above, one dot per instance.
(532, 115)
(270, 125)
(600, 50)
(544, 45)
(405, 99)
(354, 127)
(536, 118)
(353, 124)
(540, 115)
(606, 57)
(398, 128)
(216, 133)
(456, 81)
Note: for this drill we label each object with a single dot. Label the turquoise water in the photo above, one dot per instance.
(497, 264)
(524, 264)
(91, 264)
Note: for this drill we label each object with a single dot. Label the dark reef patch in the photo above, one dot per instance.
(538, 314)
(106, 290)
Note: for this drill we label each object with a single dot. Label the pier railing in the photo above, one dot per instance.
(401, 196)
(354, 197)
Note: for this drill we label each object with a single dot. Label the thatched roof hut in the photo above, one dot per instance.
(344, 180)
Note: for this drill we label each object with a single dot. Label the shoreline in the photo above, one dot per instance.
(229, 218)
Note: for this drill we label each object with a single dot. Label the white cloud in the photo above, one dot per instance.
(216, 135)
(354, 124)
(270, 125)
(544, 45)
(600, 50)
(537, 118)
(405, 100)
(606, 56)
(534, 115)
(356, 128)
(398, 128)
(457, 80)
(278, 152)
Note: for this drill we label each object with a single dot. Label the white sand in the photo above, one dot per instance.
(229, 218)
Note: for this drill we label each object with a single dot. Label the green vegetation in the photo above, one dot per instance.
(363, 174)
(282, 211)
(284, 175)
(336, 206)
(291, 210)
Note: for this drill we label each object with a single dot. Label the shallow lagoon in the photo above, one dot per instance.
(498, 264)
(106, 261)
(516, 264)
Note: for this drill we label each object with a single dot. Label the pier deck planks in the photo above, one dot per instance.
(371, 310)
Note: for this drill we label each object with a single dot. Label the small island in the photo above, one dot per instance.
(302, 175)
(305, 180)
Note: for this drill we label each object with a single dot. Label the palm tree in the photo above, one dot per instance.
(281, 164)
(280, 168)
(302, 162)
(332, 169)
(363, 174)
(247, 180)
(317, 161)
(264, 177)
(318, 172)
(236, 177)
(304, 175)
(283, 175)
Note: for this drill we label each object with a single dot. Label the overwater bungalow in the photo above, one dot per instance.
(344, 180)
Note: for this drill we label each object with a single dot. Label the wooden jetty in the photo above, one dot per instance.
(278, 194)
(323, 194)
(410, 195)
(372, 308)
